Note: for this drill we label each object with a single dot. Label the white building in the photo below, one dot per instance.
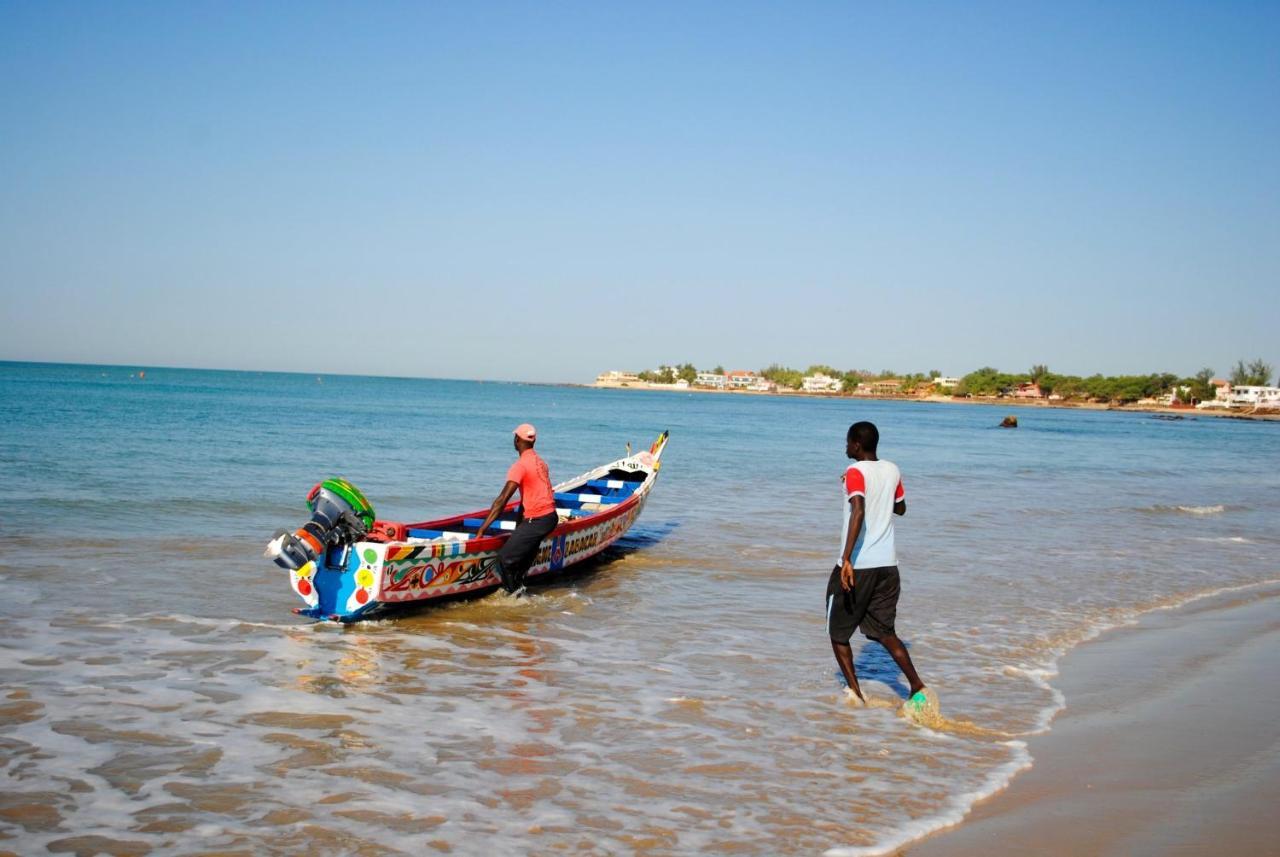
(945, 381)
(613, 378)
(741, 379)
(1255, 397)
(710, 379)
(821, 383)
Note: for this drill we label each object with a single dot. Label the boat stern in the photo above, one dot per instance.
(343, 585)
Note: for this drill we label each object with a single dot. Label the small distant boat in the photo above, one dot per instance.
(348, 566)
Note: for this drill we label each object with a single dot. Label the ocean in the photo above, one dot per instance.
(158, 697)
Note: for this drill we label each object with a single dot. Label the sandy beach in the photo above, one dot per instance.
(1168, 744)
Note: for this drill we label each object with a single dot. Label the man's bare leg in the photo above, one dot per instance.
(844, 657)
(898, 652)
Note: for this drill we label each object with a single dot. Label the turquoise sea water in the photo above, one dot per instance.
(680, 697)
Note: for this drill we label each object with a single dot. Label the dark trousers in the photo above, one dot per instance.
(520, 549)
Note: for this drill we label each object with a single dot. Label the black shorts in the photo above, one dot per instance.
(873, 603)
(517, 553)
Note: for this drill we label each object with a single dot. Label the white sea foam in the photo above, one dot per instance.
(1186, 509)
(952, 814)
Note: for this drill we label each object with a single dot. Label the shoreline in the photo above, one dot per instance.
(1166, 742)
(1185, 413)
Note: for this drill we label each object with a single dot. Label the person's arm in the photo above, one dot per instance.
(899, 500)
(856, 515)
(495, 508)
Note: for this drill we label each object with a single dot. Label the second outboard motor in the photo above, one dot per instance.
(340, 515)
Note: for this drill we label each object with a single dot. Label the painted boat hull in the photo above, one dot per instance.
(393, 569)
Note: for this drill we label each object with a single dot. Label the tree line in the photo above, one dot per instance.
(989, 381)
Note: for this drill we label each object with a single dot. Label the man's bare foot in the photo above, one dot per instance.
(854, 697)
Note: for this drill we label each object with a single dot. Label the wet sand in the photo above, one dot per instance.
(1169, 744)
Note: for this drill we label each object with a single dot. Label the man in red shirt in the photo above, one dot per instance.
(530, 476)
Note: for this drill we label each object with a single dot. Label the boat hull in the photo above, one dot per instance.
(369, 578)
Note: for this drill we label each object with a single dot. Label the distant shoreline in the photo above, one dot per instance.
(1187, 413)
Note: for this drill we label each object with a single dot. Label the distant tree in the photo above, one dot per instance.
(819, 369)
(666, 375)
(933, 373)
(784, 376)
(686, 372)
(913, 382)
(987, 381)
(1199, 385)
(1037, 372)
(1256, 374)
(719, 370)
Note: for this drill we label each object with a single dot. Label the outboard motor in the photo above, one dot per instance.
(340, 515)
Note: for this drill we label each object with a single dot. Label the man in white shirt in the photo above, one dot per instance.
(864, 586)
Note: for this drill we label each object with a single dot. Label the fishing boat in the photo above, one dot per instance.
(347, 566)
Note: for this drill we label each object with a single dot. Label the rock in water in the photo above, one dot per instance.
(1009, 422)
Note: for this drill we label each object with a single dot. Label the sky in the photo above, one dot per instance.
(544, 191)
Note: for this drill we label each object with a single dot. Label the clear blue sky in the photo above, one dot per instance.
(542, 191)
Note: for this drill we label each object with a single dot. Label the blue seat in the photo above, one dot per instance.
(613, 486)
(499, 525)
(579, 499)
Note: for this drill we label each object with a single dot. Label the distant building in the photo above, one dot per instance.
(763, 385)
(1178, 397)
(945, 381)
(710, 379)
(615, 378)
(883, 386)
(1221, 389)
(740, 379)
(1028, 390)
(1253, 396)
(820, 383)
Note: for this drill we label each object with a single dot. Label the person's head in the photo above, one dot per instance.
(862, 440)
(525, 436)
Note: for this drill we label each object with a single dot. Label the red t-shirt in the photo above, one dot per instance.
(531, 474)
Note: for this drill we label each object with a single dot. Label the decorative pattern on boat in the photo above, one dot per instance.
(363, 563)
(301, 580)
(412, 572)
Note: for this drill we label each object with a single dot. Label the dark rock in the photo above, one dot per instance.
(1009, 422)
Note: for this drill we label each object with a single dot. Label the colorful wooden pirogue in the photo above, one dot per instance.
(346, 565)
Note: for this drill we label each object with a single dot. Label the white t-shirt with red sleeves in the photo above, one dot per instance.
(879, 483)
